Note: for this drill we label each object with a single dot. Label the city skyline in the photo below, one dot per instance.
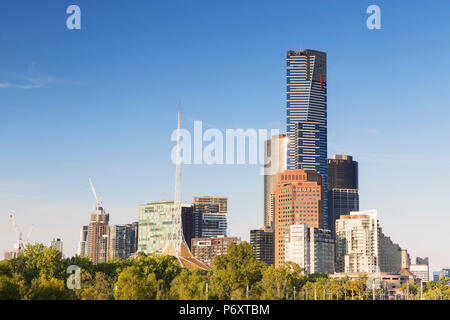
(69, 127)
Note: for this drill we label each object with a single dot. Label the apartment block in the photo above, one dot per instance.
(205, 249)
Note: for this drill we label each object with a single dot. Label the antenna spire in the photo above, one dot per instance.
(177, 197)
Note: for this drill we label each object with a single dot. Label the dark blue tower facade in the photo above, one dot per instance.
(307, 114)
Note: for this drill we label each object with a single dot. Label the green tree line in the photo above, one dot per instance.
(39, 273)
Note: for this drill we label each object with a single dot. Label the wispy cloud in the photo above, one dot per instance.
(27, 82)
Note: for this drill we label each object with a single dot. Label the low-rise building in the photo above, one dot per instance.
(390, 283)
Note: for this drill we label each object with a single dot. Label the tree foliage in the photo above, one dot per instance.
(40, 273)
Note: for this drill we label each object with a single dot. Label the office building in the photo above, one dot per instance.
(342, 172)
(438, 275)
(322, 246)
(205, 249)
(97, 237)
(262, 241)
(297, 246)
(156, 222)
(390, 258)
(134, 237)
(343, 192)
(420, 260)
(307, 114)
(121, 241)
(57, 244)
(421, 272)
(275, 162)
(311, 248)
(81, 251)
(298, 200)
(209, 217)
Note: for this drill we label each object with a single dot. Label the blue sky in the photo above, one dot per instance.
(102, 102)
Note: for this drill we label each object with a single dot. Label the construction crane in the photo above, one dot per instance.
(19, 245)
(97, 199)
(29, 234)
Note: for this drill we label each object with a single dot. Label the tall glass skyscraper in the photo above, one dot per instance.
(307, 113)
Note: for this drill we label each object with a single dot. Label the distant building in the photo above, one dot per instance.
(298, 200)
(121, 241)
(362, 246)
(81, 251)
(342, 172)
(391, 283)
(437, 275)
(406, 260)
(390, 258)
(8, 255)
(343, 192)
(156, 224)
(97, 238)
(357, 242)
(311, 248)
(134, 237)
(57, 244)
(297, 246)
(262, 241)
(205, 249)
(275, 162)
(420, 260)
(420, 271)
(210, 217)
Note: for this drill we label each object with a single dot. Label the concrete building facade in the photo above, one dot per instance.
(275, 162)
(298, 200)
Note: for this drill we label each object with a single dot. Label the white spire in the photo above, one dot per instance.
(177, 197)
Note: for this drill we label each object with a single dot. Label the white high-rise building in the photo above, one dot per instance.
(361, 245)
(311, 248)
(357, 236)
(81, 251)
